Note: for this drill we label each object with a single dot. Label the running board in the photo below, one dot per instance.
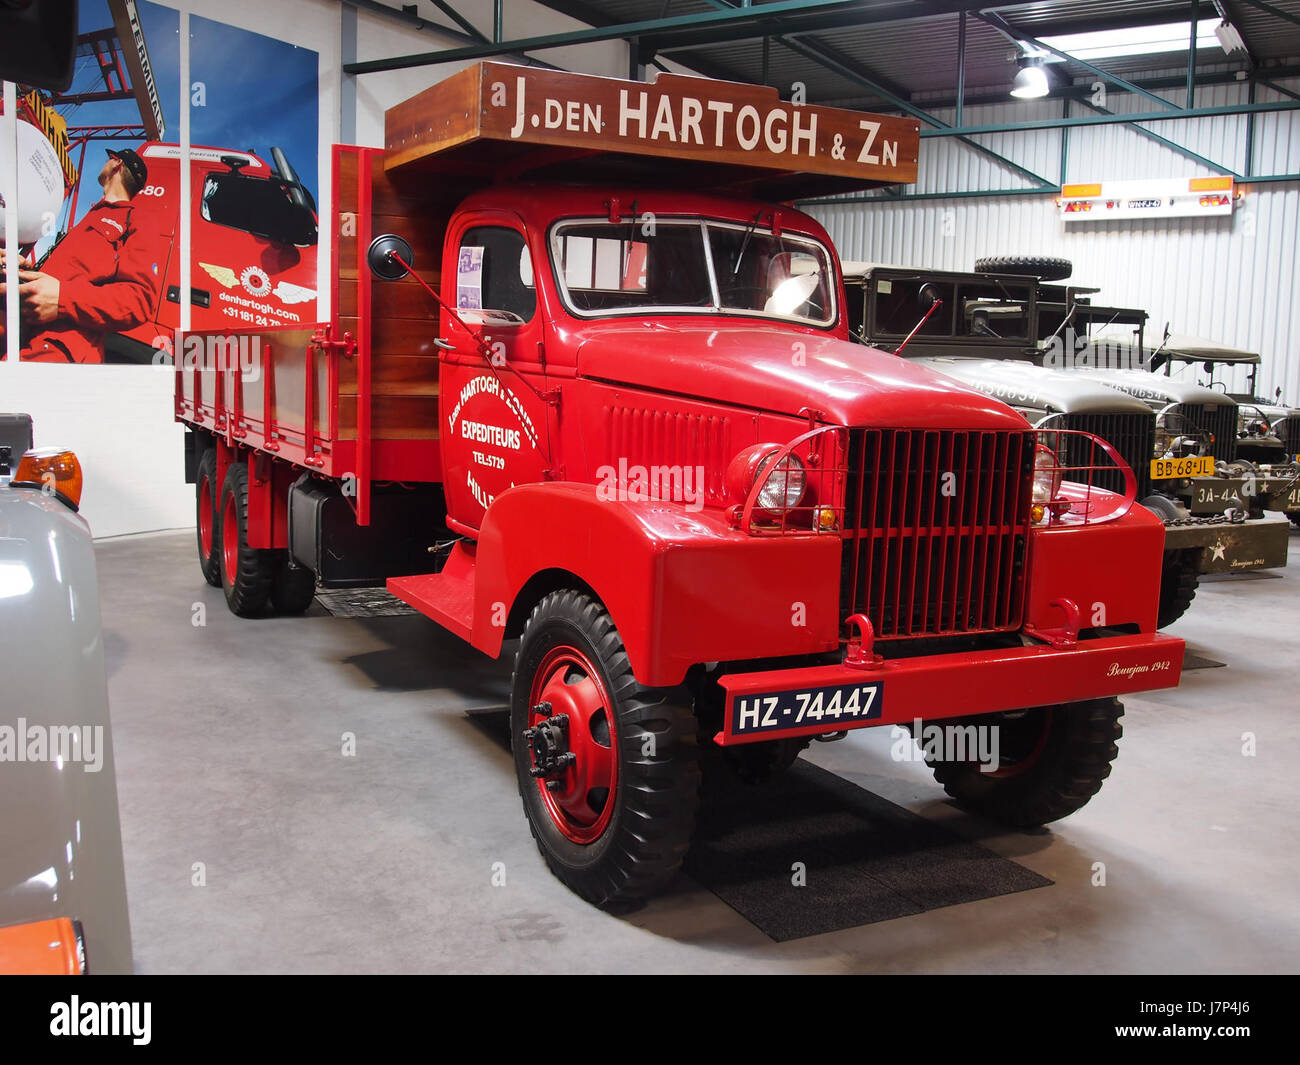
(446, 596)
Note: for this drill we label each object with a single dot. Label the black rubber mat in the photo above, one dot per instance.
(864, 859)
(361, 603)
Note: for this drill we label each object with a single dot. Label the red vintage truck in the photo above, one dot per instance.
(588, 384)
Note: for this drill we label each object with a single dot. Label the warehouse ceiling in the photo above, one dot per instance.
(860, 54)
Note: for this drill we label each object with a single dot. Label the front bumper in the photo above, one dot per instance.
(967, 683)
(1227, 547)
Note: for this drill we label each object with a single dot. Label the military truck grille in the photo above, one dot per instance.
(1221, 421)
(1132, 435)
(935, 528)
(1289, 431)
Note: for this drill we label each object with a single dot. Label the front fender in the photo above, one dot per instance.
(682, 586)
(1109, 570)
(60, 838)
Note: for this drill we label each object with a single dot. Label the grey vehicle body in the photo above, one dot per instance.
(1206, 409)
(992, 336)
(1255, 442)
(1057, 399)
(1268, 430)
(60, 836)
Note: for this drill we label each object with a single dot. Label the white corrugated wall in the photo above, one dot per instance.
(1234, 280)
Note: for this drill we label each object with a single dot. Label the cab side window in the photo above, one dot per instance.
(494, 275)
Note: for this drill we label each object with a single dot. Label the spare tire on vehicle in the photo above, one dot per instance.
(1040, 266)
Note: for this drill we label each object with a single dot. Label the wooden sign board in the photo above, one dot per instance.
(501, 122)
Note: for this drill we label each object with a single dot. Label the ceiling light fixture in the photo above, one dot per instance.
(1030, 83)
(1230, 39)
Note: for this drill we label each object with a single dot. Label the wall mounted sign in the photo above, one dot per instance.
(1104, 201)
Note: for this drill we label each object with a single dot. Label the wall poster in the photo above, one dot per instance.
(98, 196)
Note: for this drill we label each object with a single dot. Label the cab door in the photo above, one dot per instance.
(494, 422)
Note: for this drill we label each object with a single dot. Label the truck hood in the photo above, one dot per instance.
(787, 372)
(1157, 389)
(1271, 411)
(1023, 384)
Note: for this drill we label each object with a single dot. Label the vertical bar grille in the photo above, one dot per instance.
(935, 530)
(1221, 420)
(1133, 435)
(1289, 430)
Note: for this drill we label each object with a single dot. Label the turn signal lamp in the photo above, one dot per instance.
(51, 469)
(1047, 484)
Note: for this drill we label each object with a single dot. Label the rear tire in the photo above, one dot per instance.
(245, 571)
(1179, 576)
(1051, 762)
(618, 821)
(207, 527)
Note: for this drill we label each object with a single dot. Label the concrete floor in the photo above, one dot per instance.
(228, 740)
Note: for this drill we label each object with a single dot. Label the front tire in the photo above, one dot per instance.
(1179, 577)
(1051, 762)
(614, 814)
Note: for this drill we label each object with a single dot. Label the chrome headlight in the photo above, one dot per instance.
(784, 482)
(1047, 475)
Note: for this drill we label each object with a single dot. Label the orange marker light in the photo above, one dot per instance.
(44, 948)
(51, 469)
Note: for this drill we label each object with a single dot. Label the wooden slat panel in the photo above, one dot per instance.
(391, 194)
(393, 375)
(392, 417)
(398, 336)
(391, 299)
(425, 241)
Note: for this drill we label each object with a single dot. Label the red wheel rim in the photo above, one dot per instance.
(230, 539)
(1024, 763)
(205, 518)
(582, 802)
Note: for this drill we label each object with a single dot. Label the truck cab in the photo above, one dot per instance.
(604, 401)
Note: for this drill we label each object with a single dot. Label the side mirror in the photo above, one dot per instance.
(40, 43)
(383, 255)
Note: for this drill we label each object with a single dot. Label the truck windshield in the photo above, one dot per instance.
(691, 266)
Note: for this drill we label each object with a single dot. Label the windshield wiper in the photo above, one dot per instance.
(745, 244)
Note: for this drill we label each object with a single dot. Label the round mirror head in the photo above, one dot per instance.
(380, 257)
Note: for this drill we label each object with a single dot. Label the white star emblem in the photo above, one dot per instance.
(1217, 552)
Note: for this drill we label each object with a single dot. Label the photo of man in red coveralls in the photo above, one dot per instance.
(101, 278)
